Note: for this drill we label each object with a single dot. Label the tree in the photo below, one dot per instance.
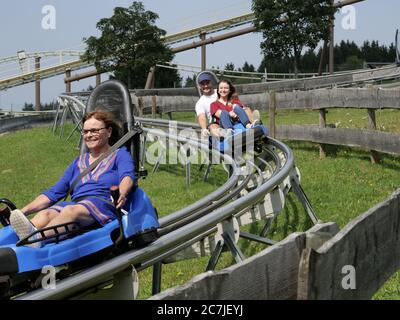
(89, 88)
(351, 63)
(348, 56)
(275, 64)
(168, 78)
(229, 66)
(28, 107)
(344, 50)
(190, 81)
(248, 67)
(130, 43)
(290, 26)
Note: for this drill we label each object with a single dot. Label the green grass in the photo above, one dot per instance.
(31, 161)
(340, 187)
(386, 120)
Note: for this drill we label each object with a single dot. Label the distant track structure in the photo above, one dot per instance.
(26, 72)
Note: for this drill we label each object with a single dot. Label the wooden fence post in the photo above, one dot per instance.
(272, 112)
(372, 125)
(140, 106)
(314, 240)
(303, 285)
(153, 106)
(322, 124)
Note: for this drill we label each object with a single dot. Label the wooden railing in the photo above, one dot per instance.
(369, 98)
(322, 263)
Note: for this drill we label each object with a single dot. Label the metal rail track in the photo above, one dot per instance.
(245, 197)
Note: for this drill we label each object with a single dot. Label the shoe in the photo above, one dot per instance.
(23, 227)
(224, 133)
(256, 116)
(230, 132)
(256, 123)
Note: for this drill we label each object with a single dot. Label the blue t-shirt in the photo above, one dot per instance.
(109, 172)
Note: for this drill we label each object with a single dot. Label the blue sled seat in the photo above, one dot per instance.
(225, 144)
(140, 220)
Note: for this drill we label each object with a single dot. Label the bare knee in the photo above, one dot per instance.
(42, 218)
(72, 213)
(76, 213)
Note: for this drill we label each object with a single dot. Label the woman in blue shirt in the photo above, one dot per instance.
(90, 197)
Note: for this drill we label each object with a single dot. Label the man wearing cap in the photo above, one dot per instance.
(208, 96)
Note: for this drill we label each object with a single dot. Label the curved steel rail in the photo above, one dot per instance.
(183, 228)
(250, 185)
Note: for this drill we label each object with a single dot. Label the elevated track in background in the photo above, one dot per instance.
(30, 74)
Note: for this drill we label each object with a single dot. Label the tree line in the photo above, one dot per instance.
(43, 106)
(131, 43)
(347, 56)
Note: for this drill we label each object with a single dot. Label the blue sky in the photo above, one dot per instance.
(21, 25)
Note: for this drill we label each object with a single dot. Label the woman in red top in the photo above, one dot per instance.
(228, 109)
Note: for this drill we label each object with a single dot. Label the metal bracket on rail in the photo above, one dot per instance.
(123, 286)
(298, 190)
(156, 285)
(227, 235)
(188, 168)
(254, 237)
(158, 161)
(397, 48)
(211, 157)
(209, 164)
(142, 155)
(207, 172)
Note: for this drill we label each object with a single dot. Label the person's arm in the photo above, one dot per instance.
(124, 188)
(235, 102)
(41, 202)
(126, 169)
(201, 117)
(202, 120)
(218, 113)
(215, 109)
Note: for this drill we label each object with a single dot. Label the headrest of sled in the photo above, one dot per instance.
(112, 96)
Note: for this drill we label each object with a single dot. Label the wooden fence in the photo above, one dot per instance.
(255, 94)
(322, 263)
(369, 98)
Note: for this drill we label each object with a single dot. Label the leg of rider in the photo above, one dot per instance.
(214, 129)
(249, 113)
(43, 218)
(244, 119)
(225, 120)
(72, 213)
